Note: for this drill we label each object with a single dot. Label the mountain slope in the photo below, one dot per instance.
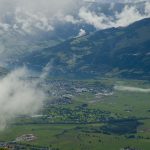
(22, 32)
(3, 71)
(115, 51)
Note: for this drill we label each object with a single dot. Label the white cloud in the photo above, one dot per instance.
(69, 18)
(28, 21)
(33, 14)
(98, 21)
(90, 1)
(4, 26)
(131, 89)
(47, 70)
(128, 15)
(35, 6)
(82, 32)
(18, 96)
(66, 18)
(147, 8)
(135, 1)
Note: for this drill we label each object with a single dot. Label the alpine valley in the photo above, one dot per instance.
(74, 75)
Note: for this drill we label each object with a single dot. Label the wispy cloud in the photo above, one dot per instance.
(82, 32)
(28, 21)
(100, 21)
(68, 18)
(131, 89)
(128, 15)
(19, 96)
(32, 14)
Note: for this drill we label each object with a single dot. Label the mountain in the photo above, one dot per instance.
(123, 52)
(3, 71)
(22, 32)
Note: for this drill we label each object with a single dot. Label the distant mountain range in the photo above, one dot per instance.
(81, 43)
(121, 52)
(16, 41)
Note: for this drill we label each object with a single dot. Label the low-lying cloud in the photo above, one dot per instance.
(19, 96)
(81, 33)
(127, 16)
(131, 89)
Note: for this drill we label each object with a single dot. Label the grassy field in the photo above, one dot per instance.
(91, 135)
(66, 137)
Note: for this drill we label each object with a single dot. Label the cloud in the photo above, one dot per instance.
(28, 21)
(71, 19)
(90, 1)
(29, 15)
(44, 6)
(19, 96)
(4, 26)
(82, 32)
(131, 14)
(147, 8)
(128, 15)
(23, 20)
(121, 1)
(131, 89)
(66, 18)
(47, 70)
(90, 17)
(135, 1)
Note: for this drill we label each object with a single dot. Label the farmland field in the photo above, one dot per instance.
(87, 115)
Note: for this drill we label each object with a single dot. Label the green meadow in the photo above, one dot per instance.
(109, 122)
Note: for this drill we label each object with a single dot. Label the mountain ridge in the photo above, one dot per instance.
(123, 51)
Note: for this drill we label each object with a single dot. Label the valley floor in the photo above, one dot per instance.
(86, 115)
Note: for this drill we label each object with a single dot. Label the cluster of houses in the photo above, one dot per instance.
(7, 145)
(26, 138)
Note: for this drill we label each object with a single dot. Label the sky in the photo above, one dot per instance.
(31, 13)
(28, 16)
